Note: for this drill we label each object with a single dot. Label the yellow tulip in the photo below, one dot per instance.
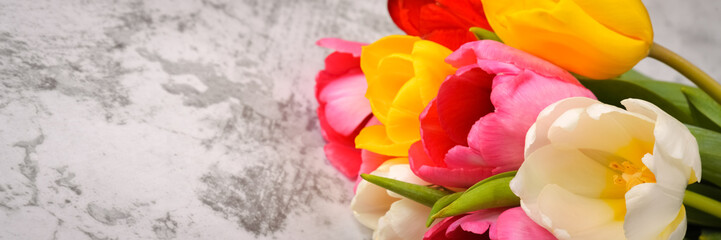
(595, 38)
(403, 74)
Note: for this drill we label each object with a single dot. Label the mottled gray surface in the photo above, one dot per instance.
(196, 119)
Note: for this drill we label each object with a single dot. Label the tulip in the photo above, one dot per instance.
(390, 215)
(595, 38)
(494, 224)
(476, 126)
(443, 21)
(596, 171)
(343, 109)
(403, 74)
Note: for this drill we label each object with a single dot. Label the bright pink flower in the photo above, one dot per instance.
(342, 107)
(495, 223)
(476, 126)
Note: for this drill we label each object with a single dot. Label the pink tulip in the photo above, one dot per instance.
(476, 126)
(494, 224)
(343, 109)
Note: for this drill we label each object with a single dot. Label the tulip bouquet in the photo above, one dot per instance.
(498, 119)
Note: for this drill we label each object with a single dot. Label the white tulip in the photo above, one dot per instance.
(595, 171)
(390, 215)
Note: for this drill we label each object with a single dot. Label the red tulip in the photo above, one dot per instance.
(443, 21)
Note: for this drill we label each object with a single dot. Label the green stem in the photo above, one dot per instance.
(687, 69)
(702, 203)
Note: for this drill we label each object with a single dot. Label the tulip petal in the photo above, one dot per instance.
(430, 68)
(651, 210)
(424, 168)
(340, 45)
(371, 161)
(500, 136)
(537, 135)
(577, 217)
(629, 130)
(393, 73)
(596, 51)
(404, 220)
(375, 139)
(373, 53)
(346, 159)
(371, 202)
(402, 123)
(515, 224)
(407, 14)
(478, 222)
(439, 231)
(500, 54)
(462, 100)
(346, 107)
(630, 20)
(673, 141)
(569, 169)
(434, 139)
(442, 21)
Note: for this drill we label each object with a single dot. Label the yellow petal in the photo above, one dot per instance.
(580, 36)
(430, 68)
(631, 19)
(373, 53)
(394, 71)
(375, 139)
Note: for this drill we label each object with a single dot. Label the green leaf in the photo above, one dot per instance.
(483, 34)
(710, 234)
(491, 193)
(698, 217)
(709, 146)
(440, 204)
(634, 75)
(706, 190)
(422, 194)
(706, 111)
(665, 95)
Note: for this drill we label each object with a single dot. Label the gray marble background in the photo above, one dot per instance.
(196, 119)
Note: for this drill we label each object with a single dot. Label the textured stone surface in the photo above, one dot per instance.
(196, 119)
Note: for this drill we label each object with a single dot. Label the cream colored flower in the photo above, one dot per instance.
(390, 215)
(595, 171)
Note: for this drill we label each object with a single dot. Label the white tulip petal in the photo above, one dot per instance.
(600, 123)
(546, 118)
(569, 169)
(580, 217)
(370, 203)
(672, 139)
(404, 220)
(403, 172)
(650, 209)
(679, 231)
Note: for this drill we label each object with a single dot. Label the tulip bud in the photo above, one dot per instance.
(595, 38)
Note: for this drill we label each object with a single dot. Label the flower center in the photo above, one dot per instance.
(631, 174)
